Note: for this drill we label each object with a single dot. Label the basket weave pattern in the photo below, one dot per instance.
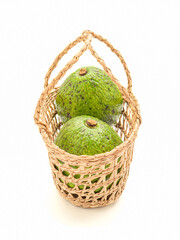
(88, 181)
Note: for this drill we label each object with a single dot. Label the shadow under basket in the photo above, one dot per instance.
(88, 181)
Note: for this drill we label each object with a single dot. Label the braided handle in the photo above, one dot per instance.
(86, 37)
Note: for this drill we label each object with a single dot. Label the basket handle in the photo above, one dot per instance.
(86, 37)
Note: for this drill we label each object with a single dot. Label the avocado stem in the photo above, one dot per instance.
(82, 71)
(91, 123)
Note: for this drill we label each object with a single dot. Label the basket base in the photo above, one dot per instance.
(92, 204)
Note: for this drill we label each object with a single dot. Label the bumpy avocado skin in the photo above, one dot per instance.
(92, 94)
(77, 138)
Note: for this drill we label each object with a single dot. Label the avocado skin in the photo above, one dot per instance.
(92, 94)
(77, 138)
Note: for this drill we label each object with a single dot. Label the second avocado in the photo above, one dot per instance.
(89, 91)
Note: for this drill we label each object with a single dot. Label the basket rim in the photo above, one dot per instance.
(117, 151)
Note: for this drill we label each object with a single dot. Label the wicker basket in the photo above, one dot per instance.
(95, 181)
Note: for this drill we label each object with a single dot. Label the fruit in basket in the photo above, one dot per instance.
(89, 91)
(87, 135)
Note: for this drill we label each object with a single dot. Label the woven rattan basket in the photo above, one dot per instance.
(102, 177)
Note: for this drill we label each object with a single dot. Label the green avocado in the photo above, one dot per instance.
(87, 135)
(89, 91)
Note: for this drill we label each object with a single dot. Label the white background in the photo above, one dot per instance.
(147, 33)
